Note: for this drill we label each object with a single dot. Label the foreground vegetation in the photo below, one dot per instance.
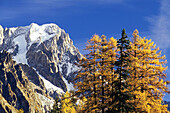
(118, 76)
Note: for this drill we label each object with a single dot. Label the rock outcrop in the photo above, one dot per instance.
(16, 91)
(47, 48)
(45, 64)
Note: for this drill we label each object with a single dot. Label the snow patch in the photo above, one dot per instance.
(35, 34)
(21, 55)
(10, 50)
(44, 32)
(46, 102)
(69, 85)
(49, 86)
(25, 36)
(71, 68)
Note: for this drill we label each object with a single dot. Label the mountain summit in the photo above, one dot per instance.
(45, 53)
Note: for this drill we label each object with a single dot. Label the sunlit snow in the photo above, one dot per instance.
(35, 33)
(43, 32)
(21, 55)
(49, 86)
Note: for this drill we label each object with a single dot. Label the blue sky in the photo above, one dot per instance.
(83, 18)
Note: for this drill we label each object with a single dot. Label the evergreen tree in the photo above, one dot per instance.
(121, 76)
(121, 93)
(56, 106)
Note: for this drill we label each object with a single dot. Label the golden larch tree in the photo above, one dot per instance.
(66, 104)
(147, 76)
(87, 81)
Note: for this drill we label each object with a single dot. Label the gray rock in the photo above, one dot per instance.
(40, 51)
(16, 90)
(32, 75)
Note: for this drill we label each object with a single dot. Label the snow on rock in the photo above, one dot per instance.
(46, 102)
(46, 48)
(69, 85)
(24, 37)
(44, 32)
(1, 34)
(10, 31)
(21, 55)
(68, 67)
(50, 87)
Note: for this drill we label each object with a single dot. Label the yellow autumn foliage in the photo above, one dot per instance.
(67, 106)
(147, 73)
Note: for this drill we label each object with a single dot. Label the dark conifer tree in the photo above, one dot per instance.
(120, 103)
(56, 106)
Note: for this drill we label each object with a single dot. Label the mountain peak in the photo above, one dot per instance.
(47, 48)
(19, 39)
(46, 55)
(45, 28)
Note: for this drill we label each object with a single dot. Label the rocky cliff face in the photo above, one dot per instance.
(46, 55)
(16, 91)
(47, 48)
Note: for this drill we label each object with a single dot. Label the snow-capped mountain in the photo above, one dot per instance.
(45, 52)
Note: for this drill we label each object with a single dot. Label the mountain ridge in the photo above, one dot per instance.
(46, 55)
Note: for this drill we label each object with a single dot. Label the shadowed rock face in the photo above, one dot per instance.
(44, 63)
(16, 91)
(32, 75)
